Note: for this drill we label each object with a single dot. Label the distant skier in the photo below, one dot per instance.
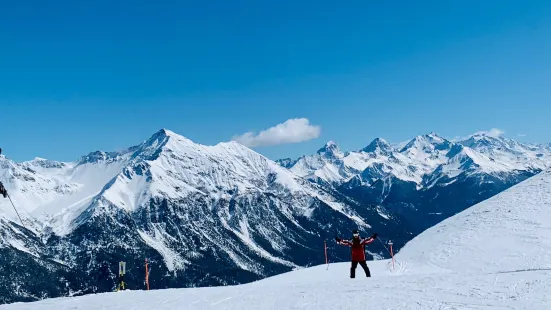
(358, 251)
(3, 190)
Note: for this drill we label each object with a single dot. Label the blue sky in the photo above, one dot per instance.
(77, 76)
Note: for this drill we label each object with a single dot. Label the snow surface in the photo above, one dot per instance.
(494, 255)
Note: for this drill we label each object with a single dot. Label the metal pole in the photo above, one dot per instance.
(325, 247)
(391, 253)
(146, 274)
(16, 211)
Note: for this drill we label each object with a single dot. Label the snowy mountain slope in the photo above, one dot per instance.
(171, 166)
(502, 149)
(30, 188)
(326, 164)
(53, 192)
(428, 150)
(495, 255)
(28, 270)
(510, 231)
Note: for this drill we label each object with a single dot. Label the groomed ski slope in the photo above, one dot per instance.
(495, 255)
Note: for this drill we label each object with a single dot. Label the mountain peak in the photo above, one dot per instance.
(329, 147)
(378, 144)
(163, 132)
(486, 139)
(163, 135)
(424, 141)
(434, 137)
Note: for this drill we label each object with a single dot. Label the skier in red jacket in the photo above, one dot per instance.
(358, 251)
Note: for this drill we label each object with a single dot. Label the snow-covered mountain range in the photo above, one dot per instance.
(429, 178)
(223, 214)
(495, 255)
(424, 160)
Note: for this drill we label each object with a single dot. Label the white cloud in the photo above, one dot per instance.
(494, 132)
(291, 131)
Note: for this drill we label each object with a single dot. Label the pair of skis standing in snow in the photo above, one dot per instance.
(357, 246)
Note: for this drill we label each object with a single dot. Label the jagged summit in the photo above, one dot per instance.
(428, 156)
(168, 132)
(162, 134)
(378, 144)
(329, 147)
(427, 143)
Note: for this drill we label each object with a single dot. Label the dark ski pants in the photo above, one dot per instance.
(364, 266)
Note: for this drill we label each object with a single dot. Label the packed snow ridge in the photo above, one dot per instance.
(494, 255)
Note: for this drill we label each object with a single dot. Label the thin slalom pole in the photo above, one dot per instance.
(13, 205)
(384, 246)
(326, 259)
(147, 274)
(325, 250)
(391, 253)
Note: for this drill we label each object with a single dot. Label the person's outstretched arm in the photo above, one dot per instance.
(370, 239)
(343, 242)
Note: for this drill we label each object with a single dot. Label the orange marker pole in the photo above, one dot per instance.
(325, 247)
(146, 274)
(326, 259)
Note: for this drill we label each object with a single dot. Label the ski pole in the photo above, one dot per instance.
(16, 211)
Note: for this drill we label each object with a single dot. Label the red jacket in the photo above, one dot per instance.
(358, 248)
